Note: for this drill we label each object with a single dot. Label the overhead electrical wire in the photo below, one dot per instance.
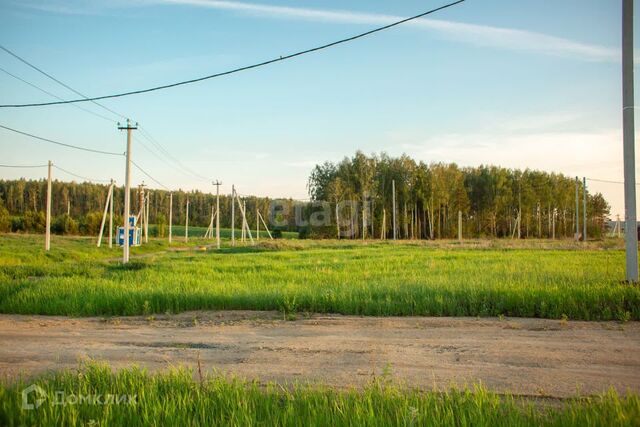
(23, 166)
(149, 176)
(80, 176)
(606, 181)
(187, 171)
(56, 96)
(24, 61)
(235, 70)
(76, 147)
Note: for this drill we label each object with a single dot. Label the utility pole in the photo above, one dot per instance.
(186, 224)
(146, 217)
(127, 191)
(577, 210)
(170, 215)
(519, 208)
(47, 235)
(233, 215)
(113, 189)
(460, 226)
(393, 195)
(631, 225)
(217, 184)
(584, 209)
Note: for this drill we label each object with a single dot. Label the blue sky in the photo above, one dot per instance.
(519, 84)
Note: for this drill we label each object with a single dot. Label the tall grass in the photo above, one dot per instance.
(175, 398)
(373, 279)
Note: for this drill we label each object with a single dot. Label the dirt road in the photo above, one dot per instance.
(523, 356)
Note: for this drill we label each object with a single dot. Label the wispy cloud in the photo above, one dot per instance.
(480, 35)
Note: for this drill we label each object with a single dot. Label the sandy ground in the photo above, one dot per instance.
(529, 357)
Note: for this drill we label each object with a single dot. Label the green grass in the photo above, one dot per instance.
(225, 233)
(175, 398)
(380, 279)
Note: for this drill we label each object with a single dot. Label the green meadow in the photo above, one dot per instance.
(180, 398)
(499, 278)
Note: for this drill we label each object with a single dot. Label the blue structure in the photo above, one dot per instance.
(135, 233)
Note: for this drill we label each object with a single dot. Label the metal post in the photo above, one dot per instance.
(393, 195)
(47, 236)
(631, 225)
(127, 191)
(170, 216)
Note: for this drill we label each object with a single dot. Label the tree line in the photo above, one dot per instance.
(493, 201)
(349, 199)
(77, 208)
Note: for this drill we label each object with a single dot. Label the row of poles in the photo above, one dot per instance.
(631, 237)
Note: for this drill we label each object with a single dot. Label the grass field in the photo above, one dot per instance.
(175, 398)
(443, 279)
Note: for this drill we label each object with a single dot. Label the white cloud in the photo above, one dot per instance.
(480, 35)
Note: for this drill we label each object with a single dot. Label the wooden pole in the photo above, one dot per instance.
(47, 235)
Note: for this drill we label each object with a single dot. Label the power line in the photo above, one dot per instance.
(61, 143)
(168, 155)
(149, 176)
(55, 96)
(23, 166)
(237, 70)
(24, 61)
(79, 176)
(606, 181)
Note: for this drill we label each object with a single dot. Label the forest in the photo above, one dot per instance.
(429, 198)
(350, 198)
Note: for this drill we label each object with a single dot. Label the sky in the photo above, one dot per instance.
(526, 84)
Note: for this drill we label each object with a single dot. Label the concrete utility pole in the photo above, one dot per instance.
(577, 210)
(170, 215)
(217, 184)
(631, 225)
(233, 215)
(460, 226)
(47, 235)
(127, 191)
(584, 209)
(393, 196)
(111, 215)
(186, 224)
(146, 217)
